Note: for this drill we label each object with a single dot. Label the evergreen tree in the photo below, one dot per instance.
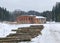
(56, 12)
(4, 14)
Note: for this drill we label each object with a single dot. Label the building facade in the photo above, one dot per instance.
(30, 19)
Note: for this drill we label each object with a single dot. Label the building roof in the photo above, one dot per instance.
(28, 15)
(34, 15)
(40, 17)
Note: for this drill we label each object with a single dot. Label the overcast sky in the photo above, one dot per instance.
(26, 5)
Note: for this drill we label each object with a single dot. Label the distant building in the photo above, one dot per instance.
(31, 19)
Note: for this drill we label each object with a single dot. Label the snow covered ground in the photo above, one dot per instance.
(5, 29)
(50, 33)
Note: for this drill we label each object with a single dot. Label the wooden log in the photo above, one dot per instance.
(23, 34)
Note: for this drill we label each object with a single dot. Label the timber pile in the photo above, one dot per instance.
(23, 34)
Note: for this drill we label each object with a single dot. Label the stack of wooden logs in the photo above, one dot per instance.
(23, 34)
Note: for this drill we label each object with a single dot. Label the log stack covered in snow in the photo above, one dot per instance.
(23, 34)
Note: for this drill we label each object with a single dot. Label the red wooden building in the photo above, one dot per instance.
(30, 19)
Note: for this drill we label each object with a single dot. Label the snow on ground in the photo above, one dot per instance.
(50, 33)
(5, 29)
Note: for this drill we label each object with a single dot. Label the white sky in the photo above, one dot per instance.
(26, 5)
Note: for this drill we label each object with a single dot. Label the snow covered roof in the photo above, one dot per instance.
(40, 17)
(34, 15)
(28, 15)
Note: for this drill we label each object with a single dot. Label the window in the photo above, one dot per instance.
(30, 18)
